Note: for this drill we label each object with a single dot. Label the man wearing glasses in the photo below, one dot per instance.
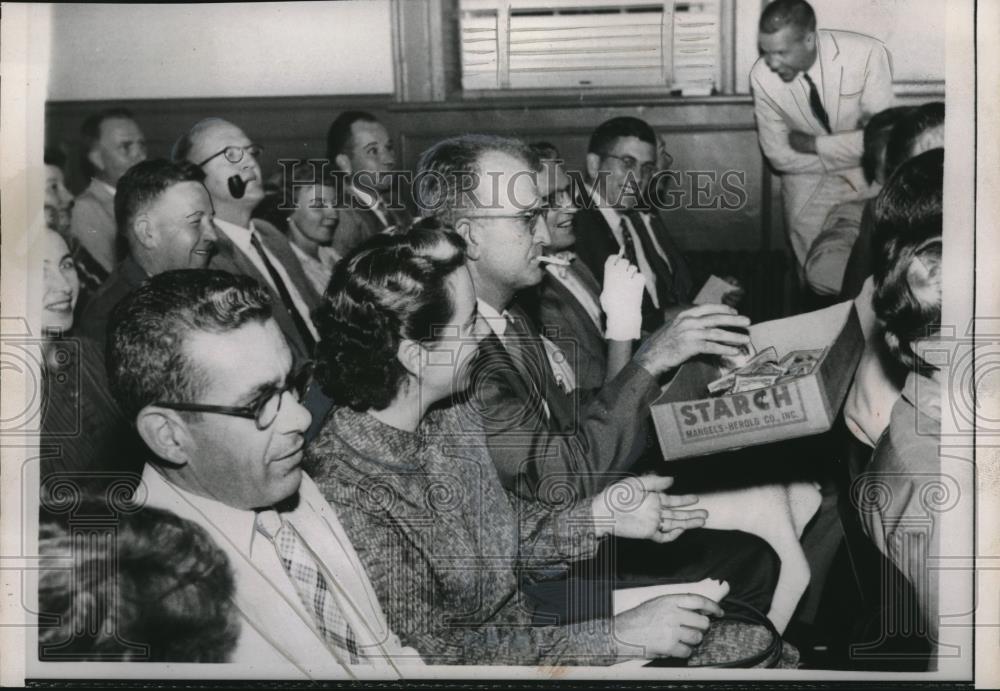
(621, 159)
(537, 431)
(546, 443)
(248, 247)
(197, 361)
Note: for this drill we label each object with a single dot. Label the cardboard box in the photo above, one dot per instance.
(689, 422)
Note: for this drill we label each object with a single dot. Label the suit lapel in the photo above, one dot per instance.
(230, 258)
(833, 75)
(278, 246)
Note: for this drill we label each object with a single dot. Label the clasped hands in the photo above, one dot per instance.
(640, 508)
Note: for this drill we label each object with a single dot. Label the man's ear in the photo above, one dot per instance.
(142, 229)
(409, 354)
(165, 433)
(94, 156)
(810, 39)
(593, 165)
(471, 236)
(343, 162)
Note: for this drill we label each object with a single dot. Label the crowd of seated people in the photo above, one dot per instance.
(463, 477)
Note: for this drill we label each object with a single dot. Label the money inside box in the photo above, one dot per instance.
(790, 383)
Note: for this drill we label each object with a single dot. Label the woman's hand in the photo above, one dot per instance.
(638, 507)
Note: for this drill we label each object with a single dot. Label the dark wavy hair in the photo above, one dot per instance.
(876, 137)
(390, 288)
(912, 134)
(154, 587)
(908, 207)
(145, 354)
(908, 228)
(909, 302)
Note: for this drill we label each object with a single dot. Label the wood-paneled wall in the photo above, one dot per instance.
(708, 138)
(711, 136)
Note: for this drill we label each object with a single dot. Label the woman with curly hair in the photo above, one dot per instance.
(413, 483)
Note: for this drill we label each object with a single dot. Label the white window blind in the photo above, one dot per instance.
(522, 44)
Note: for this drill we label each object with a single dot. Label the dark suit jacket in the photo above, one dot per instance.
(557, 312)
(595, 241)
(122, 281)
(358, 223)
(589, 440)
(230, 258)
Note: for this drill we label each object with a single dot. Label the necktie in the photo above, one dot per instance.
(681, 283)
(628, 242)
(816, 104)
(286, 297)
(660, 267)
(309, 582)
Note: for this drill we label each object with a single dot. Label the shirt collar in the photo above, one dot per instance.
(238, 525)
(496, 320)
(612, 216)
(365, 198)
(104, 186)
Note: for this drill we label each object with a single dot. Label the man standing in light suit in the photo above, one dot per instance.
(813, 90)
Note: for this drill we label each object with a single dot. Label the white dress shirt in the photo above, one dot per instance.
(614, 219)
(241, 238)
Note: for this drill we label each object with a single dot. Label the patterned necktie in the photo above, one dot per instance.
(286, 297)
(816, 104)
(309, 582)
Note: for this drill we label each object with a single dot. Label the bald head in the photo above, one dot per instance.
(228, 157)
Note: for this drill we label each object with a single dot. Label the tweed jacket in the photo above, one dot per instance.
(93, 224)
(443, 543)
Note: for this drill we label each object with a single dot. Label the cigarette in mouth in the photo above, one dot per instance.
(552, 260)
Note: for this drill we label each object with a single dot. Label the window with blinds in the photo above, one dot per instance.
(524, 44)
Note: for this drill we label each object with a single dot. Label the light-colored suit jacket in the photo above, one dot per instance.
(277, 635)
(93, 224)
(857, 83)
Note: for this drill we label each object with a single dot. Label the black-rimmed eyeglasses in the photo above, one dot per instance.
(528, 218)
(264, 411)
(629, 163)
(234, 154)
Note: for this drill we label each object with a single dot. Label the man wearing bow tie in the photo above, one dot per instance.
(813, 90)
